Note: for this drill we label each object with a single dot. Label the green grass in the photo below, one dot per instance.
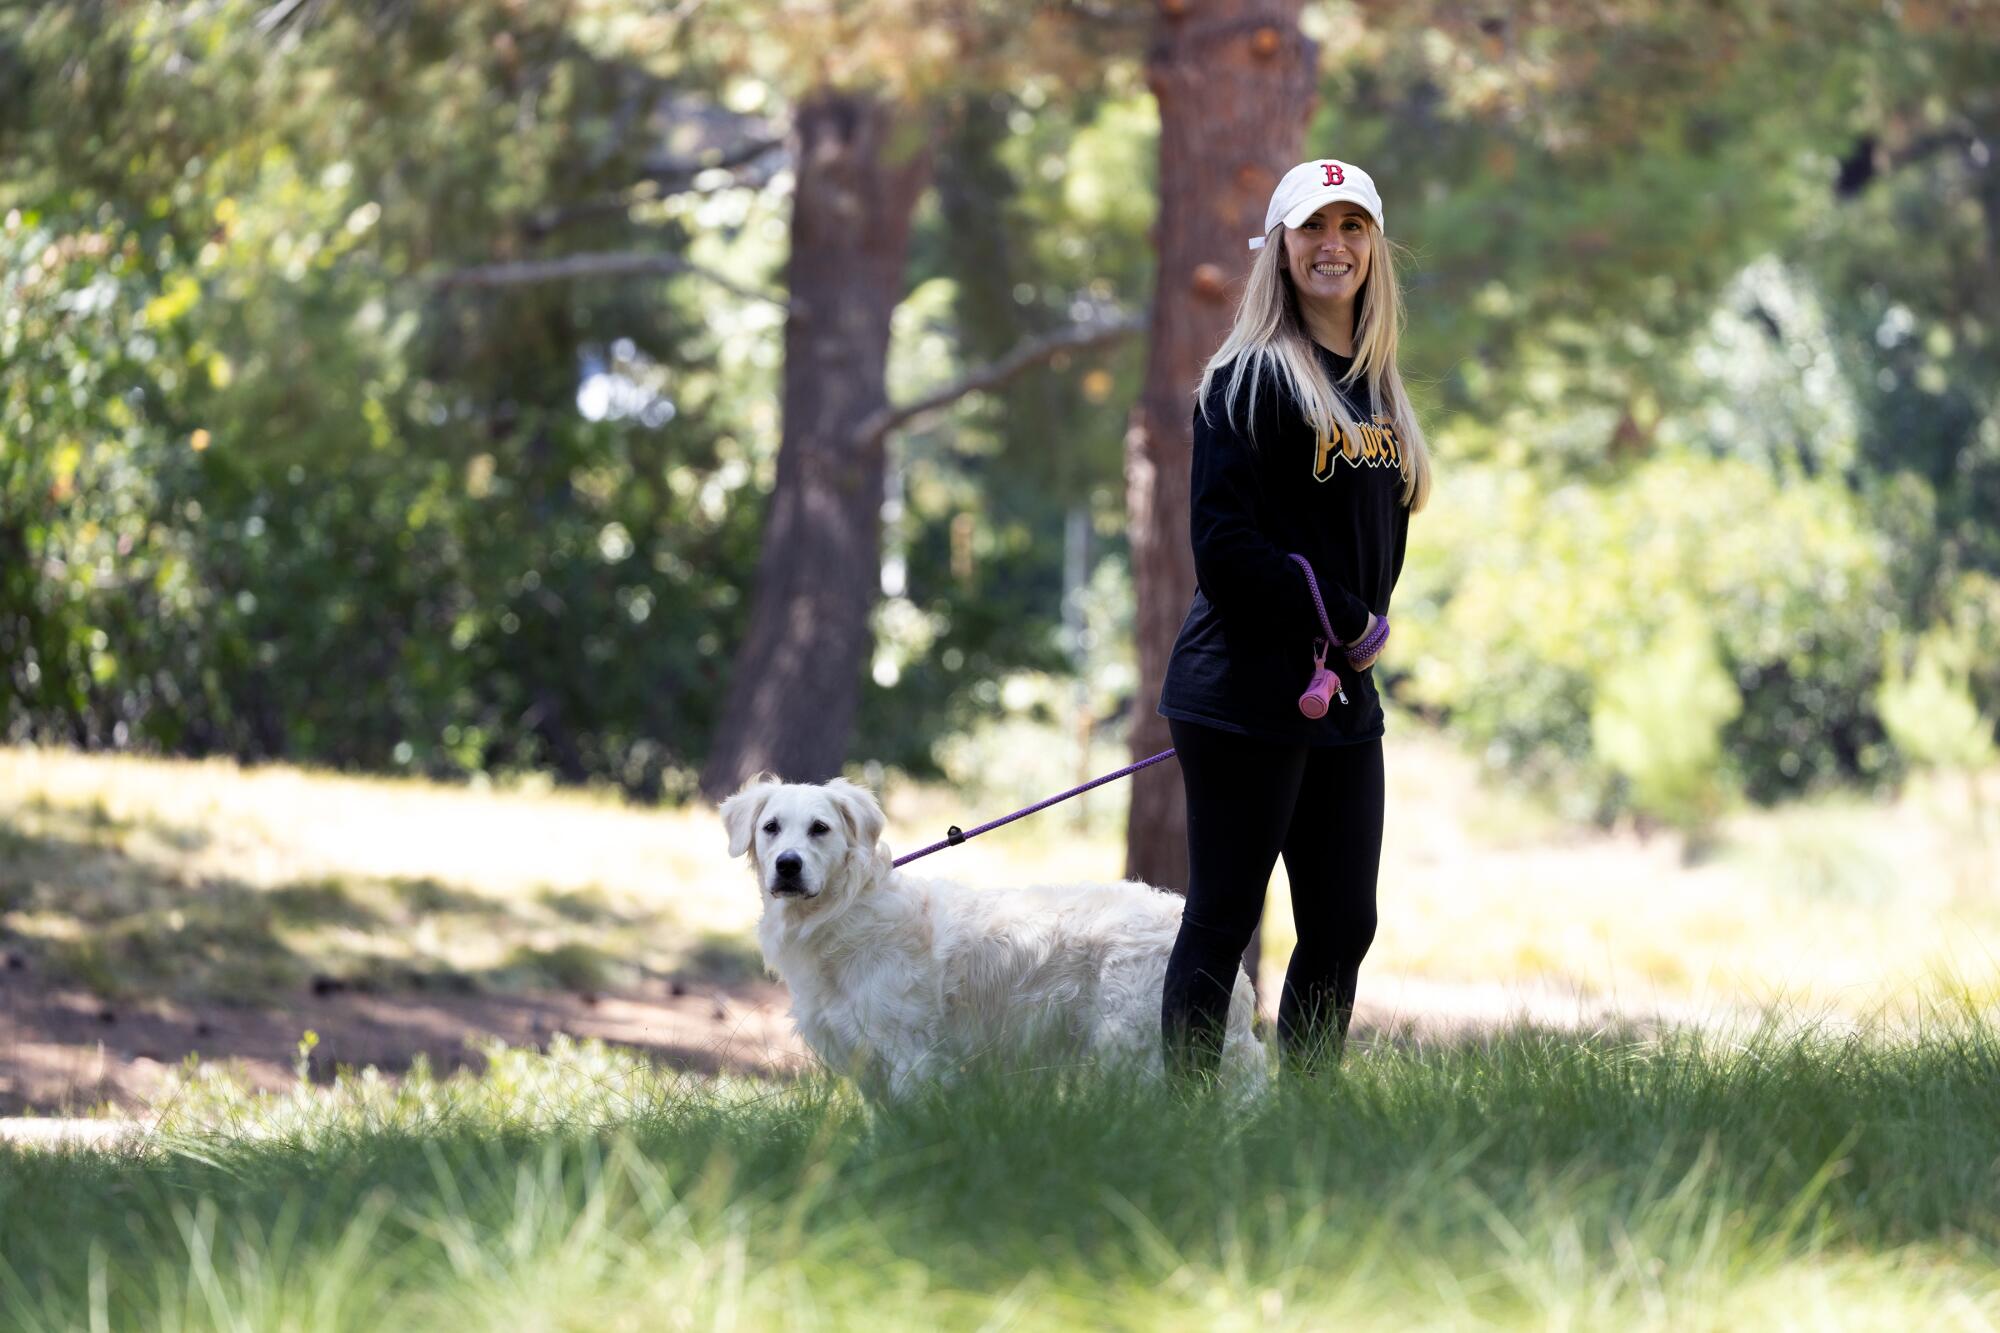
(1530, 1180)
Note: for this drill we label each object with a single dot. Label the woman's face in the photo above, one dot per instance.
(1327, 255)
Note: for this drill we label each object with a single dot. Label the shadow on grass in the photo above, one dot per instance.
(89, 912)
(95, 822)
(83, 911)
(586, 907)
(428, 895)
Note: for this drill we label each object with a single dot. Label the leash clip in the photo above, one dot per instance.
(954, 835)
(1319, 664)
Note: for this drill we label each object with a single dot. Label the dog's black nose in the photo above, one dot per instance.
(789, 864)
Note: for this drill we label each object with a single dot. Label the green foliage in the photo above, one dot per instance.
(1034, 191)
(266, 489)
(97, 596)
(1910, 264)
(1763, 233)
(1576, 190)
(1929, 710)
(1551, 617)
(271, 485)
(1656, 719)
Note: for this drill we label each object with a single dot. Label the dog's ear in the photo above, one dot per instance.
(740, 812)
(858, 810)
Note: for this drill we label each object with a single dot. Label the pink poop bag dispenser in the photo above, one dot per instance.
(1323, 686)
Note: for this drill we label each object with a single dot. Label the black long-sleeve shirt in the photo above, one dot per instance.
(1244, 654)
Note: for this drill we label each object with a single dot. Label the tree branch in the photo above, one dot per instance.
(657, 179)
(1103, 11)
(274, 18)
(616, 264)
(1022, 357)
(1868, 158)
(677, 174)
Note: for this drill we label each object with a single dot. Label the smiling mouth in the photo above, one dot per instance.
(1333, 270)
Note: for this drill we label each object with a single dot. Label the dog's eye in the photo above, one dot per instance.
(818, 827)
(770, 826)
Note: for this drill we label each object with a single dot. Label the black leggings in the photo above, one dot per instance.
(1247, 801)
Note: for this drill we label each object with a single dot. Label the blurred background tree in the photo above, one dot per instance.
(869, 85)
(401, 522)
(398, 387)
(1235, 86)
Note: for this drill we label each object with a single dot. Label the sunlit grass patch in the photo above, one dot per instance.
(275, 824)
(139, 878)
(1844, 902)
(1525, 1180)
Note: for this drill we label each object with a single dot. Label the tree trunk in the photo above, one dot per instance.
(1235, 81)
(797, 677)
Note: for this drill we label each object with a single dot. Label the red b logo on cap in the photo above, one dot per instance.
(1335, 173)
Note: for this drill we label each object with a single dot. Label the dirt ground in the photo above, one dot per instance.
(66, 1053)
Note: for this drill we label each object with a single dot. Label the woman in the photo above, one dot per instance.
(1304, 442)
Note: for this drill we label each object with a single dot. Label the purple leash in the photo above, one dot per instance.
(956, 836)
(1318, 605)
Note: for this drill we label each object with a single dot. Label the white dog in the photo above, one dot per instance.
(898, 980)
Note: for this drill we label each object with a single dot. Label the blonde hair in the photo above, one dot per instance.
(1270, 337)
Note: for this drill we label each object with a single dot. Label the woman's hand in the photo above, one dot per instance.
(1368, 661)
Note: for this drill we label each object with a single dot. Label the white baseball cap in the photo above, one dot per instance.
(1311, 186)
